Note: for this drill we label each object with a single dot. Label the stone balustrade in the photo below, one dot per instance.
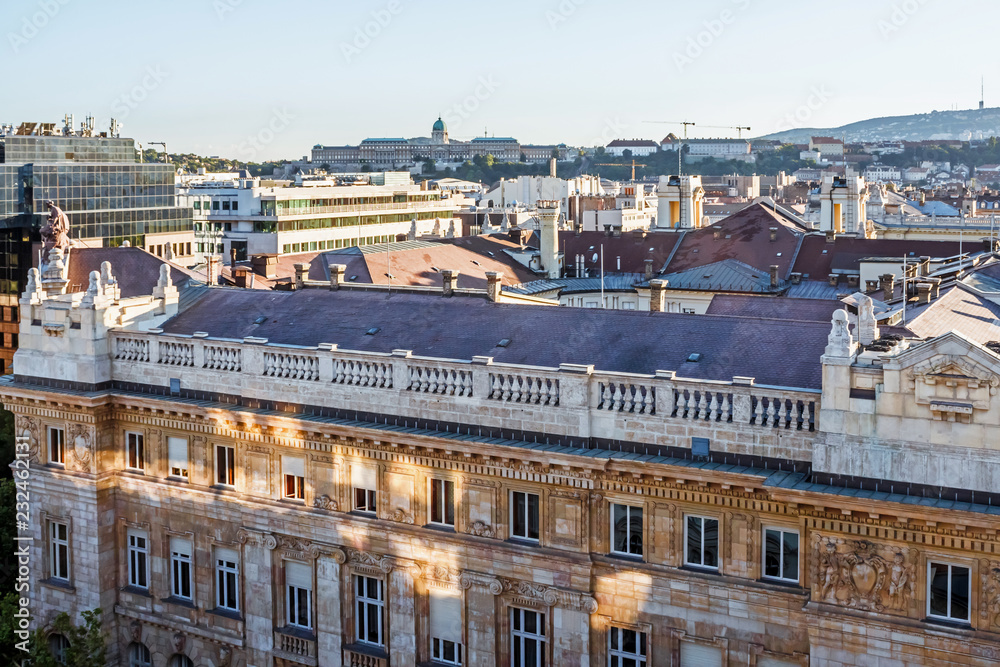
(294, 648)
(569, 402)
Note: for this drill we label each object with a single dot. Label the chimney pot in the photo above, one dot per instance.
(648, 269)
(450, 281)
(774, 275)
(337, 272)
(774, 234)
(301, 271)
(493, 279)
(657, 294)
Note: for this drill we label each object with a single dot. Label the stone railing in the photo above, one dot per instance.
(570, 401)
(294, 648)
(359, 658)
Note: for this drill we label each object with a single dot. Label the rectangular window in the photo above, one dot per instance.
(446, 626)
(227, 577)
(524, 515)
(59, 551)
(134, 444)
(298, 587)
(364, 480)
(225, 465)
(443, 502)
(293, 470)
(948, 592)
(138, 559)
(781, 554)
(370, 600)
(177, 450)
(225, 205)
(527, 638)
(626, 530)
(702, 540)
(626, 648)
(57, 445)
(180, 568)
(236, 206)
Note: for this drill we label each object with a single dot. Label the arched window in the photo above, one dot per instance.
(58, 644)
(181, 661)
(138, 655)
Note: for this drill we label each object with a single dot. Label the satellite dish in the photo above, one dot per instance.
(595, 257)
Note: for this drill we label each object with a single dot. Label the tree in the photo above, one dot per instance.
(429, 167)
(86, 648)
(627, 152)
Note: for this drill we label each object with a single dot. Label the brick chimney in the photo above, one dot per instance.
(773, 234)
(449, 279)
(831, 236)
(337, 272)
(516, 235)
(212, 270)
(301, 272)
(888, 284)
(657, 295)
(240, 275)
(924, 292)
(493, 279)
(648, 269)
(774, 275)
(833, 279)
(638, 235)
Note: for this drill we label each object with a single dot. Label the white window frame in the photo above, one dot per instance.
(173, 471)
(138, 559)
(225, 454)
(968, 593)
(718, 539)
(135, 451)
(781, 554)
(517, 613)
(442, 506)
(628, 530)
(58, 546)
(527, 516)
(227, 579)
(438, 648)
(293, 600)
(297, 490)
(370, 503)
(181, 572)
(617, 655)
(56, 438)
(363, 601)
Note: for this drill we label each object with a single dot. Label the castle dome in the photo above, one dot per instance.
(439, 126)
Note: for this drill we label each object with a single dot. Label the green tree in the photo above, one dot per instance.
(87, 647)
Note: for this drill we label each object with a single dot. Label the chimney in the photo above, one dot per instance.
(657, 294)
(774, 234)
(774, 275)
(833, 279)
(240, 275)
(638, 235)
(337, 272)
(493, 279)
(924, 292)
(548, 236)
(265, 265)
(989, 245)
(853, 281)
(449, 279)
(212, 270)
(717, 233)
(301, 272)
(888, 283)
(616, 232)
(925, 265)
(831, 235)
(607, 230)
(871, 285)
(795, 278)
(552, 167)
(648, 269)
(516, 235)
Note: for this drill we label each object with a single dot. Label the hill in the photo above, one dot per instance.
(962, 125)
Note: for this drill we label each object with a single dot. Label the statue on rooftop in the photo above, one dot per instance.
(840, 343)
(55, 232)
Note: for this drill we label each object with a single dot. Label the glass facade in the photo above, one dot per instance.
(21, 150)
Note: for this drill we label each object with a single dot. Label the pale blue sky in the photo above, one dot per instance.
(253, 79)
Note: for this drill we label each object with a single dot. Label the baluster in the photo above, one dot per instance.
(702, 405)
(725, 409)
(713, 408)
(772, 413)
(758, 411)
(691, 411)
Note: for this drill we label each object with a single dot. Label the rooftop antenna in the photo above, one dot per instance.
(982, 97)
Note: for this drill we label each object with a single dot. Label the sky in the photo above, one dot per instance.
(256, 80)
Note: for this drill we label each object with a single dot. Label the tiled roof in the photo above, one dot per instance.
(728, 275)
(959, 310)
(781, 308)
(625, 143)
(626, 253)
(462, 327)
(816, 257)
(136, 270)
(612, 283)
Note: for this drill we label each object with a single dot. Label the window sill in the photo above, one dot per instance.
(443, 527)
(294, 501)
(525, 541)
(135, 471)
(367, 649)
(175, 478)
(224, 487)
(623, 556)
(226, 613)
(948, 624)
(180, 602)
(701, 569)
(136, 590)
(368, 513)
(786, 583)
(56, 465)
(296, 631)
(61, 584)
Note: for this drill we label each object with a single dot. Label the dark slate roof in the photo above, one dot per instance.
(817, 258)
(727, 275)
(136, 270)
(463, 327)
(629, 251)
(612, 283)
(781, 308)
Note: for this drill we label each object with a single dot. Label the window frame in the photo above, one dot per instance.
(223, 572)
(540, 636)
(781, 560)
(718, 543)
(363, 602)
(641, 660)
(437, 651)
(628, 524)
(293, 600)
(183, 473)
(59, 546)
(297, 490)
(443, 507)
(136, 553)
(179, 563)
(56, 447)
(968, 593)
(144, 659)
(135, 441)
(370, 504)
(226, 454)
(527, 516)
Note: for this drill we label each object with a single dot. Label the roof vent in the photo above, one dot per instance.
(694, 357)
(260, 320)
(353, 278)
(504, 342)
(373, 331)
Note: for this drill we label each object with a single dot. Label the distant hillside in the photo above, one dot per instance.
(963, 125)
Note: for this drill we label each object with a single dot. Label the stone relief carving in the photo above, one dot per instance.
(253, 538)
(179, 640)
(27, 427)
(225, 656)
(489, 582)
(400, 516)
(383, 563)
(990, 603)
(952, 386)
(548, 595)
(481, 529)
(325, 502)
(82, 440)
(297, 548)
(135, 630)
(864, 575)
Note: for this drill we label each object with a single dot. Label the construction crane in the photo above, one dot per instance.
(611, 164)
(166, 156)
(685, 123)
(739, 128)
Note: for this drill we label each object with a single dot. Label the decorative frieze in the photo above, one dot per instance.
(863, 575)
(524, 592)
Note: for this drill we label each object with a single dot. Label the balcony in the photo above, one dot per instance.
(295, 647)
(363, 656)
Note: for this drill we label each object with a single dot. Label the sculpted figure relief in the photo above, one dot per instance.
(55, 232)
(863, 575)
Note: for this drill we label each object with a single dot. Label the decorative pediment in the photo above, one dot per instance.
(952, 385)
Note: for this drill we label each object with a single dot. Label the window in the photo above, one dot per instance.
(225, 465)
(626, 530)
(180, 568)
(236, 206)
(227, 575)
(527, 638)
(293, 470)
(689, 311)
(138, 559)
(370, 600)
(59, 551)
(364, 481)
(443, 502)
(177, 449)
(781, 554)
(298, 587)
(57, 446)
(58, 646)
(138, 656)
(181, 661)
(524, 515)
(948, 592)
(135, 459)
(702, 539)
(446, 626)
(626, 648)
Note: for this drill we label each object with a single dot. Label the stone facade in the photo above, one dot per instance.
(700, 571)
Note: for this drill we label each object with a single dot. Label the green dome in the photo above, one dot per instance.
(439, 126)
